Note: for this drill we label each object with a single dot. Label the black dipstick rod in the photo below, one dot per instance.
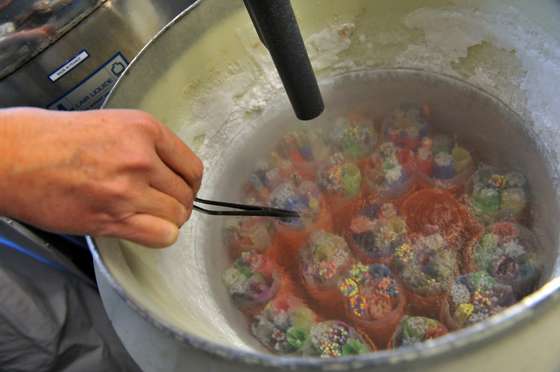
(277, 27)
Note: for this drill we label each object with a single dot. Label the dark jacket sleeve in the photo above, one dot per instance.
(51, 321)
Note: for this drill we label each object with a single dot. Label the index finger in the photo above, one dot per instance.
(180, 158)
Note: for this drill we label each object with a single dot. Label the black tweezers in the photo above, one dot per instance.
(243, 210)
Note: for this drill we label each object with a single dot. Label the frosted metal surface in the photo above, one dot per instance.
(222, 96)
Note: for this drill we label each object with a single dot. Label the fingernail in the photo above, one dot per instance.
(185, 215)
(172, 234)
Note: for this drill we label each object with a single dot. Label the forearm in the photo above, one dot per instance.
(34, 145)
(20, 155)
(8, 145)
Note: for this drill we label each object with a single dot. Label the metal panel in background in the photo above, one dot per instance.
(79, 69)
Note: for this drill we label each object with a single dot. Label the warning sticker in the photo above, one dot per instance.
(69, 66)
(91, 92)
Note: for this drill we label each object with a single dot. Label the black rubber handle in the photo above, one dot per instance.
(278, 29)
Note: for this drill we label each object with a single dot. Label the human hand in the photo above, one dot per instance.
(116, 173)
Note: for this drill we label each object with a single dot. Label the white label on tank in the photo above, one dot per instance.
(91, 92)
(68, 66)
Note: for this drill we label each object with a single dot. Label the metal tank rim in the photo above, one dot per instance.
(460, 340)
(456, 341)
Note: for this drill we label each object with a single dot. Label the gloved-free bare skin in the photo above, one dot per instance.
(116, 173)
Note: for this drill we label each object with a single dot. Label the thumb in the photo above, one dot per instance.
(147, 230)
